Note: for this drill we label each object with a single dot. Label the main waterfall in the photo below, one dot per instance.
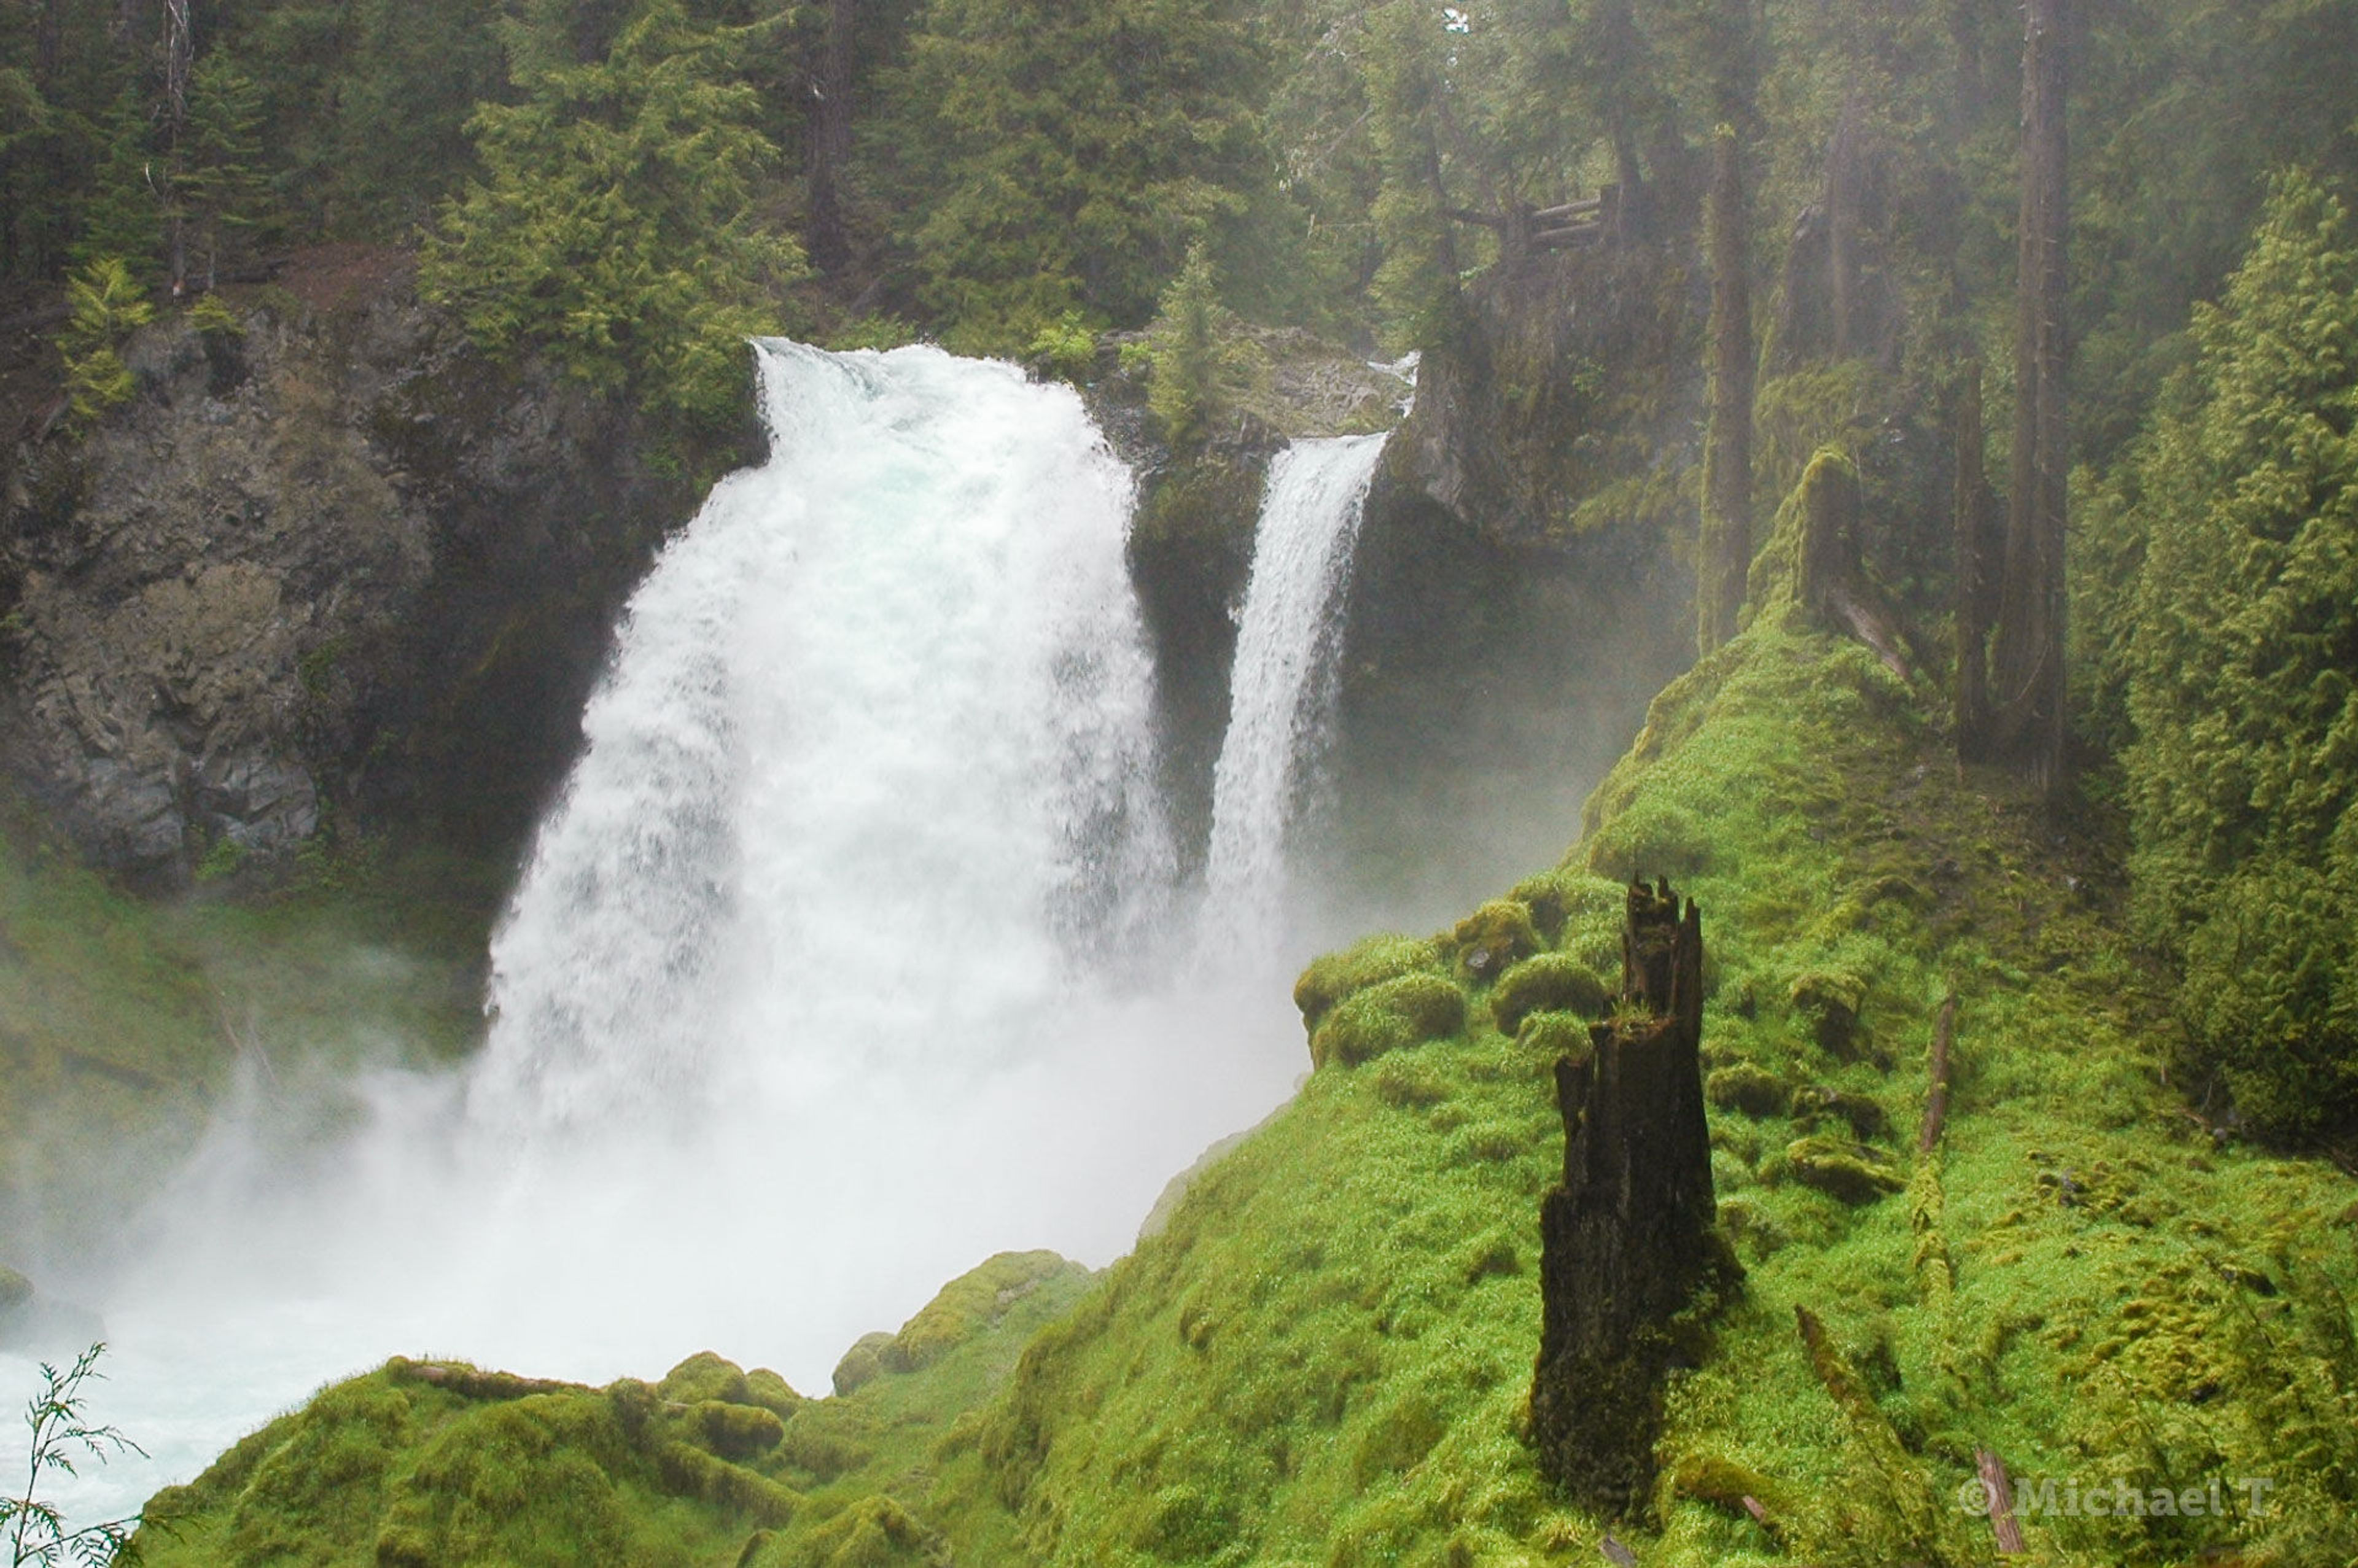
(871, 778)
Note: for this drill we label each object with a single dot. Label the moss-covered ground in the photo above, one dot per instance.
(1322, 1357)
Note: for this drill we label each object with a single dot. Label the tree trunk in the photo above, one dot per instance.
(1627, 1243)
(830, 139)
(1978, 553)
(2026, 710)
(1726, 554)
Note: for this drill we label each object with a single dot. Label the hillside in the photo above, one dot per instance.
(1323, 1356)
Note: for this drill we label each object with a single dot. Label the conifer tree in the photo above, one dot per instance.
(124, 218)
(615, 219)
(2243, 673)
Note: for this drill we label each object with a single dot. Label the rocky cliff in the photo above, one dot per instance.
(329, 571)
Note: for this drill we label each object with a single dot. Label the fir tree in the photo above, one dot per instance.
(615, 219)
(2243, 673)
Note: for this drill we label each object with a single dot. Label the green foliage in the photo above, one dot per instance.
(615, 224)
(222, 185)
(1389, 1015)
(123, 219)
(60, 1437)
(107, 305)
(1065, 348)
(1055, 158)
(2239, 666)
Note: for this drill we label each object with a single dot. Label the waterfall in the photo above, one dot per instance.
(1282, 687)
(873, 754)
(830, 973)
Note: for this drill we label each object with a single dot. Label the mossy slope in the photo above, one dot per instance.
(1323, 1356)
(443, 1465)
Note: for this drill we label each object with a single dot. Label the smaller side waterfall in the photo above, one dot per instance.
(1282, 690)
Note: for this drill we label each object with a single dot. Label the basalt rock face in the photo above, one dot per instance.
(330, 571)
(1631, 1262)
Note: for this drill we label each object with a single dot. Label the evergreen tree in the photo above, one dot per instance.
(123, 216)
(222, 186)
(615, 219)
(1059, 157)
(2243, 673)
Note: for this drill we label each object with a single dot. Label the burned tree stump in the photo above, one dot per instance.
(1631, 1262)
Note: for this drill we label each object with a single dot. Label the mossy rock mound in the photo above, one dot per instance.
(971, 1304)
(862, 1362)
(1548, 899)
(1549, 982)
(1815, 1106)
(705, 1377)
(877, 1531)
(1392, 1016)
(1847, 1172)
(1329, 980)
(1748, 1087)
(1554, 1035)
(1495, 938)
(1829, 1002)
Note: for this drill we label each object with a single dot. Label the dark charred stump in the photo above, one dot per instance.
(1630, 1264)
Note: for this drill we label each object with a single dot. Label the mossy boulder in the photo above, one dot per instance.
(1495, 938)
(1748, 1087)
(1548, 982)
(1848, 1171)
(1549, 904)
(877, 1531)
(1328, 980)
(1392, 1016)
(862, 1362)
(1554, 1035)
(969, 1305)
(772, 1394)
(1815, 1106)
(702, 1376)
(1829, 1002)
(737, 1432)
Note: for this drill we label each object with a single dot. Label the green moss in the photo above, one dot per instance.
(1548, 982)
(1389, 1016)
(970, 1304)
(1365, 963)
(1494, 939)
(1849, 1172)
(1754, 1090)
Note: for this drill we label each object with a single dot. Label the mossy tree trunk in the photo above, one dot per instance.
(2026, 715)
(1630, 1260)
(1727, 450)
